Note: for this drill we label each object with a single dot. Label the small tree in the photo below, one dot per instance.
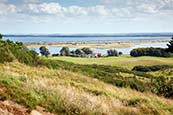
(112, 52)
(65, 51)
(79, 52)
(170, 46)
(87, 50)
(1, 36)
(44, 51)
(120, 53)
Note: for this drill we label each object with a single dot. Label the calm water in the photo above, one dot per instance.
(54, 49)
(82, 39)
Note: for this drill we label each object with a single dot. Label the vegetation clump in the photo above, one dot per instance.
(163, 86)
(170, 46)
(65, 51)
(151, 68)
(10, 51)
(44, 51)
(159, 52)
(113, 52)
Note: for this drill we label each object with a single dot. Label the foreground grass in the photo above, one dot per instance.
(63, 92)
(125, 61)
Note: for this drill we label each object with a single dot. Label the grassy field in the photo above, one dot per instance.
(125, 61)
(62, 92)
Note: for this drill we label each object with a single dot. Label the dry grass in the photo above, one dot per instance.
(80, 94)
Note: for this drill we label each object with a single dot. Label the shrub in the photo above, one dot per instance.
(162, 86)
(65, 51)
(1, 36)
(79, 52)
(55, 55)
(120, 53)
(112, 52)
(87, 50)
(150, 68)
(44, 51)
(170, 46)
(10, 51)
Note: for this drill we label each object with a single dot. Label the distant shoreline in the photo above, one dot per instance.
(158, 34)
(95, 44)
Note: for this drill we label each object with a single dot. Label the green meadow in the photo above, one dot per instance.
(125, 61)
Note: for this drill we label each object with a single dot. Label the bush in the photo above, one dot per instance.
(159, 52)
(170, 46)
(55, 55)
(10, 51)
(150, 68)
(87, 50)
(163, 86)
(44, 51)
(112, 52)
(120, 53)
(65, 51)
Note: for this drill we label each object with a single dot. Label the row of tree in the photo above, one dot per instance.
(65, 51)
(159, 52)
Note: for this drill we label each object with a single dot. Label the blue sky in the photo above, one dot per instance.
(85, 16)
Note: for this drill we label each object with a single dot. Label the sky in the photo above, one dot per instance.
(85, 16)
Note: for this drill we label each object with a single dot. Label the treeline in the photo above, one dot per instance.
(159, 52)
(80, 52)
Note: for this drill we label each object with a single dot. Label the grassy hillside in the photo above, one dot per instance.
(61, 92)
(125, 61)
(84, 86)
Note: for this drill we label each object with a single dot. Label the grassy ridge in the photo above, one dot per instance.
(64, 92)
(110, 74)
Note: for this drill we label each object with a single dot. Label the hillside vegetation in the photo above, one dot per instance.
(61, 92)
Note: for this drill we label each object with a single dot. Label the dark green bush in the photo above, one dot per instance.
(112, 52)
(151, 68)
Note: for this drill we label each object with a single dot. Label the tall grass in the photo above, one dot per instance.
(64, 92)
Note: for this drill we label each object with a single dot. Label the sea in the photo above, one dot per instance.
(56, 49)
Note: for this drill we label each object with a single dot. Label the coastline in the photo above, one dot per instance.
(95, 44)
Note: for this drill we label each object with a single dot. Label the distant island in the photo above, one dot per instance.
(94, 35)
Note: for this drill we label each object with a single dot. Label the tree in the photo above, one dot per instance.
(120, 53)
(170, 46)
(112, 52)
(65, 51)
(79, 52)
(44, 51)
(1, 36)
(87, 50)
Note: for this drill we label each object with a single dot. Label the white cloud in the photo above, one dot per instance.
(31, 1)
(50, 8)
(7, 8)
(57, 9)
(100, 10)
